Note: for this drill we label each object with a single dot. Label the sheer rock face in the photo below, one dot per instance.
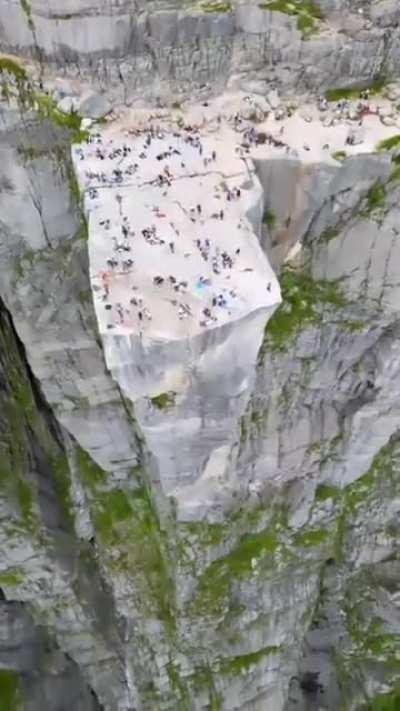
(160, 49)
(36, 670)
(182, 292)
(207, 521)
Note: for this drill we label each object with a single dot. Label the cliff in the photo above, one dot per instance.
(199, 500)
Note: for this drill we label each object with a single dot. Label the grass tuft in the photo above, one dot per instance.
(164, 401)
(340, 93)
(302, 298)
(215, 6)
(10, 691)
(339, 156)
(269, 219)
(388, 144)
(306, 11)
(376, 197)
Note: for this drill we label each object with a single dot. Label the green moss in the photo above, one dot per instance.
(369, 637)
(326, 491)
(27, 9)
(47, 109)
(269, 219)
(10, 691)
(42, 104)
(328, 234)
(215, 6)
(129, 530)
(11, 578)
(383, 644)
(376, 197)
(312, 537)
(25, 499)
(179, 687)
(358, 492)
(352, 325)
(114, 509)
(85, 296)
(384, 702)
(210, 534)
(394, 176)
(164, 401)
(91, 474)
(10, 66)
(389, 143)
(305, 24)
(339, 155)
(201, 680)
(237, 665)
(357, 496)
(215, 582)
(306, 11)
(63, 488)
(375, 87)
(302, 298)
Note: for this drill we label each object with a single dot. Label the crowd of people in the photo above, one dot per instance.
(206, 296)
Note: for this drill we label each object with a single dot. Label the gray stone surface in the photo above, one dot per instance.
(236, 546)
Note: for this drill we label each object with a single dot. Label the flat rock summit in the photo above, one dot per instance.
(199, 355)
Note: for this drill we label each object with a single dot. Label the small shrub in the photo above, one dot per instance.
(353, 92)
(376, 197)
(216, 6)
(389, 143)
(164, 401)
(305, 10)
(339, 155)
(269, 219)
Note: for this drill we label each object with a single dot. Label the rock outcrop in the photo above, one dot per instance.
(199, 510)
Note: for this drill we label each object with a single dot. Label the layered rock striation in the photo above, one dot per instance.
(199, 510)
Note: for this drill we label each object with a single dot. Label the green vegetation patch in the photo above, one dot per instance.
(339, 156)
(43, 105)
(301, 301)
(25, 498)
(208, 534)
(384, 702)
(269, 219)
(164, 401)
(12, 577)
(394, 176)
(389, 144)
(47, 109)
(12, 67)
(326, 491)
(129, 529)
(216, 6)
(114, 509)
(179, 686)
(10, 691)
(215, 582)
(376, 197)
(62, 483)
(358, 495)
(328, 234)
(27, 9)
(312, 537)
(240, 664)
(91, 474)
(307, 12)
(375, 87)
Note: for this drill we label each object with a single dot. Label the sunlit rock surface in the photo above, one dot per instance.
(200, 514)
(182, 289)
